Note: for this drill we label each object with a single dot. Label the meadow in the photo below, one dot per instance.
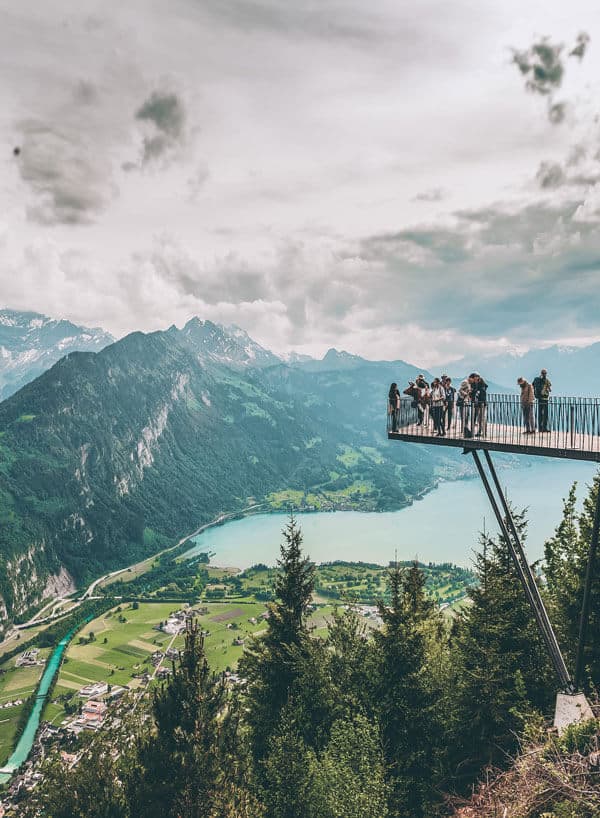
(16, 683)
(117, 646)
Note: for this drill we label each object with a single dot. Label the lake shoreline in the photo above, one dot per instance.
(458, 506)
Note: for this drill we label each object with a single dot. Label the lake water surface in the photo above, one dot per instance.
(442, 527)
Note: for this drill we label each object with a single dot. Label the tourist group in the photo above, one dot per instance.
(443, 406)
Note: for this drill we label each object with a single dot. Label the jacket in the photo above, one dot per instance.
(527, 396)
(464, 391)
(542, 388)
(438, 396)
(479, 394)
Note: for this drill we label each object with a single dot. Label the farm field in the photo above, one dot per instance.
(16, 683)
(359, 582)
(124, 639)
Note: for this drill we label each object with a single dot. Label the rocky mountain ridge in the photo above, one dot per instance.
(30, 343)
(108, 455)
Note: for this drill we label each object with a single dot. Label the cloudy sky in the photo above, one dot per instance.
(412, 180)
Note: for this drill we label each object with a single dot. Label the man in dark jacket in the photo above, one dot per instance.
(542, 388)
(479, 399)
(450, 399)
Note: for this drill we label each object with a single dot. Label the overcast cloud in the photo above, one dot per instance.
(383, 178)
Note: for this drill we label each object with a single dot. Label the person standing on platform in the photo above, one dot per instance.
(413, 391)
(394, 406)
(438, 401)
(450, 400)
(479, 397)
(424, 397)
(464, 405)
(527, 404)
(542, 388)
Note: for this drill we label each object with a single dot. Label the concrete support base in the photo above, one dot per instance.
(571, 709)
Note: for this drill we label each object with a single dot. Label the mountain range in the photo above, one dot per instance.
(572, 370)
(111, 453)
(108, 455)
(30, 343)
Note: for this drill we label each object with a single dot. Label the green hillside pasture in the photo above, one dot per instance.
(363, 582)
(16, 683)
(130, 644)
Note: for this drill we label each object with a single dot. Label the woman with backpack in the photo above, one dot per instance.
(394, 406)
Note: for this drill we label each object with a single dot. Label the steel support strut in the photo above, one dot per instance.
(506, 522)
(585, 607)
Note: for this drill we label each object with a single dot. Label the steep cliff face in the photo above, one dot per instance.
(106, 450)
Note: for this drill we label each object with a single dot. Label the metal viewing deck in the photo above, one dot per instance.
(573, 427)
(570, 429)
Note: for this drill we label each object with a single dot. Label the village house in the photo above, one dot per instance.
(93, 691)
(28, 658)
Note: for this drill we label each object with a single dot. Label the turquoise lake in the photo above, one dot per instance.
(442, 527)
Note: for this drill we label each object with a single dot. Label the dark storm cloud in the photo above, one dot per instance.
(494, 273)
(68, 177)
(542, 66)
(557, 112)
(164, 113)
(579, 50)
(550, 175)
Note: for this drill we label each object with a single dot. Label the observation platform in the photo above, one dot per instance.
(573, 427)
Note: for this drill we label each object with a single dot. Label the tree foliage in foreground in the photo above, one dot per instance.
(359, 723)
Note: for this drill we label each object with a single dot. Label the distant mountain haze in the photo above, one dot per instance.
(572, 370)
(31, 343)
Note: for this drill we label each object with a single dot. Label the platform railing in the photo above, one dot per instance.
(572, 423)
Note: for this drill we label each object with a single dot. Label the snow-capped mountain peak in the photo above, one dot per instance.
(225, 345)
(30, 343)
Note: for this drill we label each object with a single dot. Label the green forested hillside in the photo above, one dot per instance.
(419, 717)
(150, 435)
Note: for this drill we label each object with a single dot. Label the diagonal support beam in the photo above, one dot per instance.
(585, 607)
(509, 531)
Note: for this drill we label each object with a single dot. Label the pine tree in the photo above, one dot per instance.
(566, 556)
(404, 701)
(90, 790)
(271, 664)
(288, 779)
(564, 565)
(353, 665)
(502, 668)
(180, 767)
(349, 777)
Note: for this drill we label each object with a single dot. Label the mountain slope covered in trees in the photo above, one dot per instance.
(107, 453)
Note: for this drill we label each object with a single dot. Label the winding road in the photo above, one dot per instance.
(39, 619)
